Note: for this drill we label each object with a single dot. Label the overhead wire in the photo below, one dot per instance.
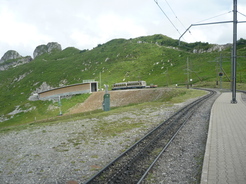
(179, 19)
(167, 16)
(175, 14)
(241, 14)
(214, 17)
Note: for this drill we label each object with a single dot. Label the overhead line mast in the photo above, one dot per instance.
(234, 49)
(234, 53)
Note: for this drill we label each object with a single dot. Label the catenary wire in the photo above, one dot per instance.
(214, 17)
(175, 14)
(241, 14)
(167, 16)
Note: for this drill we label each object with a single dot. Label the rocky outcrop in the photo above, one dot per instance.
(43, 87)
(19, 61)
(11, 54)
(41, 49)
(217, 48)
(50, 47)
(54, 46)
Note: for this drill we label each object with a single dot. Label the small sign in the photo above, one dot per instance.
(221, 74)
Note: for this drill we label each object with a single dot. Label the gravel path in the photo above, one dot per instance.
(70, 151)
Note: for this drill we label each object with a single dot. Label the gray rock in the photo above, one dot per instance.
(43, 87)
(50, 47)
(212, 49)
(41, 49)
(19, 61)
(54, 46)
(11, 54)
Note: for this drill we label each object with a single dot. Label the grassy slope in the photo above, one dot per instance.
(177, 95)
(117, 60)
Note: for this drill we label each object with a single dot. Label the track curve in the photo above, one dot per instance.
(133, 165)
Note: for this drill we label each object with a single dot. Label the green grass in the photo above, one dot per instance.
(44, 111)
(106, 129)
(187, 94)
(116, 60)
(103, 128)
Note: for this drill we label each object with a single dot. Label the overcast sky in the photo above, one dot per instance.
(84, 24)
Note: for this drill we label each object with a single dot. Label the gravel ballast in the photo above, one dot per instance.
(183, 159)
(70, 151)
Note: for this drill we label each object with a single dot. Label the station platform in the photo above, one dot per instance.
(225, 155)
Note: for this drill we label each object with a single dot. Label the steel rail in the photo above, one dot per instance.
(146, 144)
(165, 147)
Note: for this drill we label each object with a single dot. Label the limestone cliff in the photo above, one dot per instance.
(11, 54)
(50, 47)
(216, 47)
(12, 59)
(15, 63)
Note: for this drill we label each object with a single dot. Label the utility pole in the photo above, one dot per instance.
(234, 49)
(60, 104)
(221, 74)
(167, 76)
(100, 79)
(188, 73)
(234, 53)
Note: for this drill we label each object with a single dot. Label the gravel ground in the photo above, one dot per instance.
(70, 151)
(182, 162)
(61, 152)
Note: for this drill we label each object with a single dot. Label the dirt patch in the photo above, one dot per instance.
(119, 98)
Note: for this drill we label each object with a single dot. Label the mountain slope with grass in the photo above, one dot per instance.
(157, 59)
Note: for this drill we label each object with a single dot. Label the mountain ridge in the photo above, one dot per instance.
(12, 58)
(55, 46)
(157, 59)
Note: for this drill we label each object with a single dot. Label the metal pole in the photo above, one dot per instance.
(220, 71)
(59, 103)
(188, 73)
(203, 25)
(100, 76)
(234, 53)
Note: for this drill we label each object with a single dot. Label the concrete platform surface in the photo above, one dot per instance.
(225, 156)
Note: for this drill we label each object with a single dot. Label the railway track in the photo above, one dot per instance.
(133, 165)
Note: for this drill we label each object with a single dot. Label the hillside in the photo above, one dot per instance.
(120, 98)
(157, 59)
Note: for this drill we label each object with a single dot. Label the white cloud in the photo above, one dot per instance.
(112, 25)
(83, 40)
(84, 24)
(17, 34)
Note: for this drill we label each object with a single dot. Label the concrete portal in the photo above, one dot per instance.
(94, 86)
(69, 90)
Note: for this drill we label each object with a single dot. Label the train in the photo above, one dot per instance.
(129, 85)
